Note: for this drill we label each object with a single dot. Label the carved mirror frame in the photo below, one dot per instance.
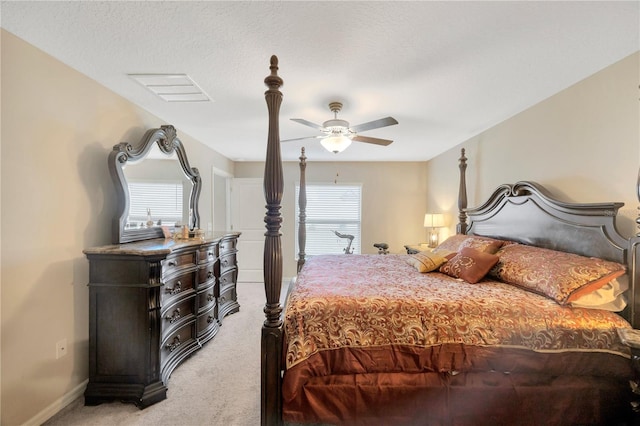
(122, 153)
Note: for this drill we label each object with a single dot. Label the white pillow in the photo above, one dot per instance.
(609, 297)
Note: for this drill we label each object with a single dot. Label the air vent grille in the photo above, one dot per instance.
(172, 87)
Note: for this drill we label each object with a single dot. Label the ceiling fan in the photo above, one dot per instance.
(337, 134)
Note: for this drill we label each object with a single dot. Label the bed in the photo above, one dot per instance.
(496, 326)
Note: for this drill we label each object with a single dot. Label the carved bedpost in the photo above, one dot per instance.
(271, 396)
(462, 195)
(302, 207)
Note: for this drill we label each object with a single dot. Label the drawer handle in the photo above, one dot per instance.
(210, 297)
(222, 300)
(210, 253)
(224, 280)
(210, 319)
(173, 345)
(210, 275)
(174, 317)
(225, 262)
(175, 290)
(171, 263)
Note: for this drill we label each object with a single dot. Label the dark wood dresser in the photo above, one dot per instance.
(152, 304)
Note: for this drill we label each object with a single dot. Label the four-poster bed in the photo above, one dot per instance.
(453, 345)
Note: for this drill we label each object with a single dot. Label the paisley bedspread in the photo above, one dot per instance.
(371, 341)
(361, 301)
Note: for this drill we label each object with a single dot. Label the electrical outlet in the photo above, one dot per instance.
(61, 348)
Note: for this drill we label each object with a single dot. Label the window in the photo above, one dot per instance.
(163, 199)
(331, 207)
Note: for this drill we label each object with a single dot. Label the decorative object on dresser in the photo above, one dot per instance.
(154, 301)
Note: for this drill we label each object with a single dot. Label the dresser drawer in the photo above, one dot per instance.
(178, 341)
(206, 321)
(206, 298)
(206, 273)
(228, 278)
(178, 261)
(177, 312)
(208, 253)
(178, 284)
(227, 262)
(227, 296)
(227, 246)
(227, 302)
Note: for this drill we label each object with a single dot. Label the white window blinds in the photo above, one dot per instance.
(331, 207)
(163, 199)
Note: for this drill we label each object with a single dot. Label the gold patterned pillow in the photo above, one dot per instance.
(459, 241)
(470, 265)
(426, 261)
(561, 276)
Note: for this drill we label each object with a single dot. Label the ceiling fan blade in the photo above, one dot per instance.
(383, 122)
(369, 139)
(299, 139)
(307, 123)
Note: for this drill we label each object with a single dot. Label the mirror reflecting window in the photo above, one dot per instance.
(155, 185)
(155, 203)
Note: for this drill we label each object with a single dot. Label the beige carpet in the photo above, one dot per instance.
(218, 385)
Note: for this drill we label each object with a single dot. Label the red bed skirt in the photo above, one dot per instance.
(514, 387)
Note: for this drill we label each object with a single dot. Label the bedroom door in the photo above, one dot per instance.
(247, 216)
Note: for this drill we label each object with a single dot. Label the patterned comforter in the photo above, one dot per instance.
(368, 301)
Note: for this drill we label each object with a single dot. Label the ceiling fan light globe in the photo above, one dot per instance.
(336, 144)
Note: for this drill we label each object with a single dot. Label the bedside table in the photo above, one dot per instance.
(416, 248)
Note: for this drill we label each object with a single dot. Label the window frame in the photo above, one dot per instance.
(140, 219)
(344, 226)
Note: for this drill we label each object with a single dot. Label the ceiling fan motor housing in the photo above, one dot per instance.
(336, 125)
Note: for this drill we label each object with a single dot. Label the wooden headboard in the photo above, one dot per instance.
(527, 213)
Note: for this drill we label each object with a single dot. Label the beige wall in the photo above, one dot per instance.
(583, 144)
(58, 127)
(393, 201)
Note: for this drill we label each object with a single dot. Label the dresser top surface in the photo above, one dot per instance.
(158, 246)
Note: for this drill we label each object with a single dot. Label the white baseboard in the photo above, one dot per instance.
(57, 405)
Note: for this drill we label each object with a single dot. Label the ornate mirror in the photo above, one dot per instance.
(147, 178)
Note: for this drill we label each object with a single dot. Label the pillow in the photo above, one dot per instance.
(426, 261)
(561, 276)
(459, 241)
(609, 297)
(470, 264)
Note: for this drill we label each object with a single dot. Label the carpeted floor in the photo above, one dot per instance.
(218, 385)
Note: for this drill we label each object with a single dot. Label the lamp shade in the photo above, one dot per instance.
(336, 144)
(433, 220)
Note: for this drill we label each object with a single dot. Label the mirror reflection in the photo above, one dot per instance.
(158, 191)
(155, 187)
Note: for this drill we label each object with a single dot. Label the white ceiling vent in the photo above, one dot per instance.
(172, 87)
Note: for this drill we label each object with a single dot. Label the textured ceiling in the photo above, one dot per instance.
(445, 70)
